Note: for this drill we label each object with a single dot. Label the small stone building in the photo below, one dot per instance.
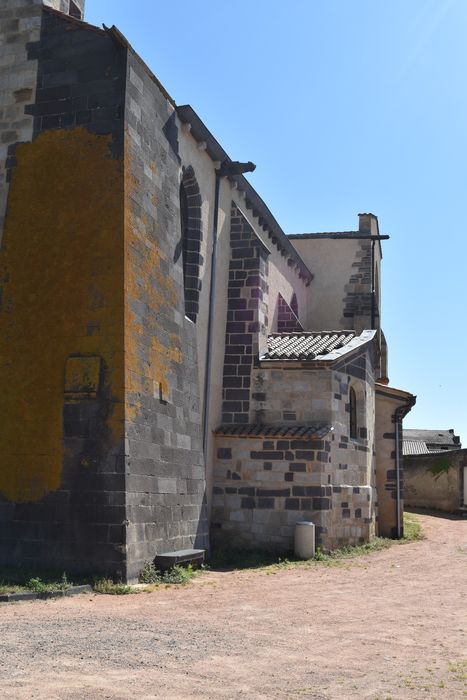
(435, 470)
(171, 362)
(425, 441)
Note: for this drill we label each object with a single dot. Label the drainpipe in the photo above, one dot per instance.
(228, 168)
(373, 291)
(398, 415)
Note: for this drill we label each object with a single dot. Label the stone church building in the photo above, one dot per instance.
(173, 366)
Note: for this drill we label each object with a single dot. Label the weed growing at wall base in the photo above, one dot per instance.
(254, 559)
(25, 581)
(108, 587)
(412, 528)
(177, 575)
(18, 580)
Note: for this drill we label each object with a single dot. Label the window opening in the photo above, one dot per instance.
(74, 10)
(353, 412)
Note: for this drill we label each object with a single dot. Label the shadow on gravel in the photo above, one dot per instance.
(436, 513)
(226, 559)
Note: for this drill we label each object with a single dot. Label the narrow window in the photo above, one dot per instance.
(74, 10)
(353, 413)
(190, 244)
(184, 227)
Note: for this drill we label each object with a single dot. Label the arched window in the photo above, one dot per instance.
(191, 237)
(353, 413)
(184, 230)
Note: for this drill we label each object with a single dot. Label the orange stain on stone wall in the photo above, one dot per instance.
(150, 356)
(61, 275)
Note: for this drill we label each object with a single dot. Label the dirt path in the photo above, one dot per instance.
(387, 626)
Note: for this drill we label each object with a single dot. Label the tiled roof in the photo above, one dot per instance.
(259, 430)
(441, 438)
(306, 346)
(414, 447)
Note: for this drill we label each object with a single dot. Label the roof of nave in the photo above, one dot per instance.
(315, 346)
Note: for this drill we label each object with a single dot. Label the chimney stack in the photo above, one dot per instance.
(74, 8)
(368, 223)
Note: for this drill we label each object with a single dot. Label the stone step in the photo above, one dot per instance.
(182, 557)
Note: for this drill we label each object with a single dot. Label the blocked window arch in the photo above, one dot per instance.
(191, 238)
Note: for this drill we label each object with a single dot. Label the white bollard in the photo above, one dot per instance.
(304, 540)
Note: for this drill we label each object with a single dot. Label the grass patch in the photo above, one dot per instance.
(231, 558)
(179, 575)
(254, 559)
(412, 528)
(458, 669)
(22, 581)
(106, 586)
(26, 581)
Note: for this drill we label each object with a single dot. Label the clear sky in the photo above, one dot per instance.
(345, 106)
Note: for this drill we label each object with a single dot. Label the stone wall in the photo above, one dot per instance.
(62, 481)
(435, 480)
(99, 363)
(165, 484)
(354, 456)
(20, 24)
(291, 396)
(247, 317)
(389, 402)
(304, 395)
(287, 321)
(341, 295)
(263, 486)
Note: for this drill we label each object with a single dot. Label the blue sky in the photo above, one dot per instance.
(345, 106)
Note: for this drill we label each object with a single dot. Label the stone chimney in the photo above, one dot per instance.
(368, 223)
(74, 8)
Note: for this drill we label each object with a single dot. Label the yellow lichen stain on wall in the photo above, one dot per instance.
(61, 270)
(149, 356)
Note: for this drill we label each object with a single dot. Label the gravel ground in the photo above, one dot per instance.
(383, 627)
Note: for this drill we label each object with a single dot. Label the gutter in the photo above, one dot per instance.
(212, 293)
(373, 290)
